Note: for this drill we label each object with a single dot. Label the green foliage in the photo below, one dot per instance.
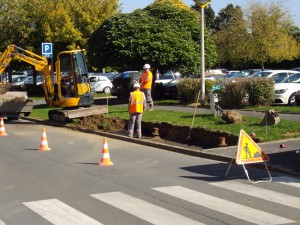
(66, 24)
(260, 91)
(162, 34)
(241, 92)
(232, 93)
(261, 34)
(270, 40)
(189, 89)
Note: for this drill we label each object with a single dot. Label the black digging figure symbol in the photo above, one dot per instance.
(247, 150)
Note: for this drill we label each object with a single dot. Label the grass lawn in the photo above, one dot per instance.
(285, 129)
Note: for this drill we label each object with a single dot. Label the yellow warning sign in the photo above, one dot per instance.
(248, 151)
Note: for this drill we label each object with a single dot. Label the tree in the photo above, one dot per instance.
(209, 15)
(162, 34)
(230, 35)
(270, 41)
(65, 23)
(295, 32)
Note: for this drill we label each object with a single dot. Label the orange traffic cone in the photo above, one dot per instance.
(105, 160)
(44, 142)
(2, 128)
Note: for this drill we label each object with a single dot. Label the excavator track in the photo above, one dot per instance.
(66, 115)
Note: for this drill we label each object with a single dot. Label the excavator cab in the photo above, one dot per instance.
(72, 88)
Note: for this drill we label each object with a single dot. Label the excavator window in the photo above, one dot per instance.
(80, 68)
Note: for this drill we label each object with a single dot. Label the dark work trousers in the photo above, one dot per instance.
(135, 118)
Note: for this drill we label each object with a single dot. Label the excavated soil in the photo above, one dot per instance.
(168, 133)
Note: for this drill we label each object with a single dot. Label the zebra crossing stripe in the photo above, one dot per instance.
(59, 213)
(2, 223)
(144, 210)
(258, 192)
(287, 181)
(230, 208)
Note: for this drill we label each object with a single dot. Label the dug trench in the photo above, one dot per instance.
(197, 137)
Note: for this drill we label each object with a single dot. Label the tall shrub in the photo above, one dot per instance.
(188, 89)
(260, 91)
(232, 93)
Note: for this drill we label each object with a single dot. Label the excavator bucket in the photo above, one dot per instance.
(4, 87)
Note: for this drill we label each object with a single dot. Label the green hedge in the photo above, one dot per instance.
(232, 93)
(188, 89)
(239, 92)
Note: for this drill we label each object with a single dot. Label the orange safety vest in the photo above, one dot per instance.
(136, 102)
(146, 80)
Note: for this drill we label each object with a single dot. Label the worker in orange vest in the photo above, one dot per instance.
(136, 107)
(145, 81)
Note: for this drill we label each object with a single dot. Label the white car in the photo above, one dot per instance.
(166, 77)
(286, 90)
(100, 84)
(277, 75)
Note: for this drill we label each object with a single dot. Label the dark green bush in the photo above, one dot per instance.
(260, 91)
(232, 93)
(239, 92)
(188, 89)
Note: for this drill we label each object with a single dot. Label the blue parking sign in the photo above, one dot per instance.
(47, 50)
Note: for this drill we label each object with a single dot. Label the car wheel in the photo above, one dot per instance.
(106, 90)
(292, 99)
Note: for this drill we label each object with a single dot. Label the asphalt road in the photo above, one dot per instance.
(144, 186)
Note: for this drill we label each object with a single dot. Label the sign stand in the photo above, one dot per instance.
(249, 152)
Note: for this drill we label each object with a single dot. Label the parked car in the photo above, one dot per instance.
(236, 75)
(231, 71)
(100, 84)
(285, 91)
(170, 89)
(29, 80)
(18, 82)
(167, 76)
(296, 69)
(277, 75)
(297, 98)
(212, 77)
(122, 83)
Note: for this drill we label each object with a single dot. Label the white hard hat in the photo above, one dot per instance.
(136, 85)
(146, 66)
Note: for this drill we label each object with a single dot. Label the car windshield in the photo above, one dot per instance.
(292, 79)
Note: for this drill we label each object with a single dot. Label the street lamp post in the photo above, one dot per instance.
(202, 4)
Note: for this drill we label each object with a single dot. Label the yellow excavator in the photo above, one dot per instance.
(71, 90)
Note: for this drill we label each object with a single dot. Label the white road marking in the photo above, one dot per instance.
(144, 210)
(60, 213)
(230, 208)
(287, 181)
(258, 192)
(2, 223)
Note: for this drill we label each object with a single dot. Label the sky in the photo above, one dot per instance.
(292, 5)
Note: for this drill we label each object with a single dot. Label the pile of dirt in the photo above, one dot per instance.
(103, 123)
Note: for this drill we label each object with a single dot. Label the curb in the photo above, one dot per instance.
(172, 148)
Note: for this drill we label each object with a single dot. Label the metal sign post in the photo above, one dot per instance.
(47, 51)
